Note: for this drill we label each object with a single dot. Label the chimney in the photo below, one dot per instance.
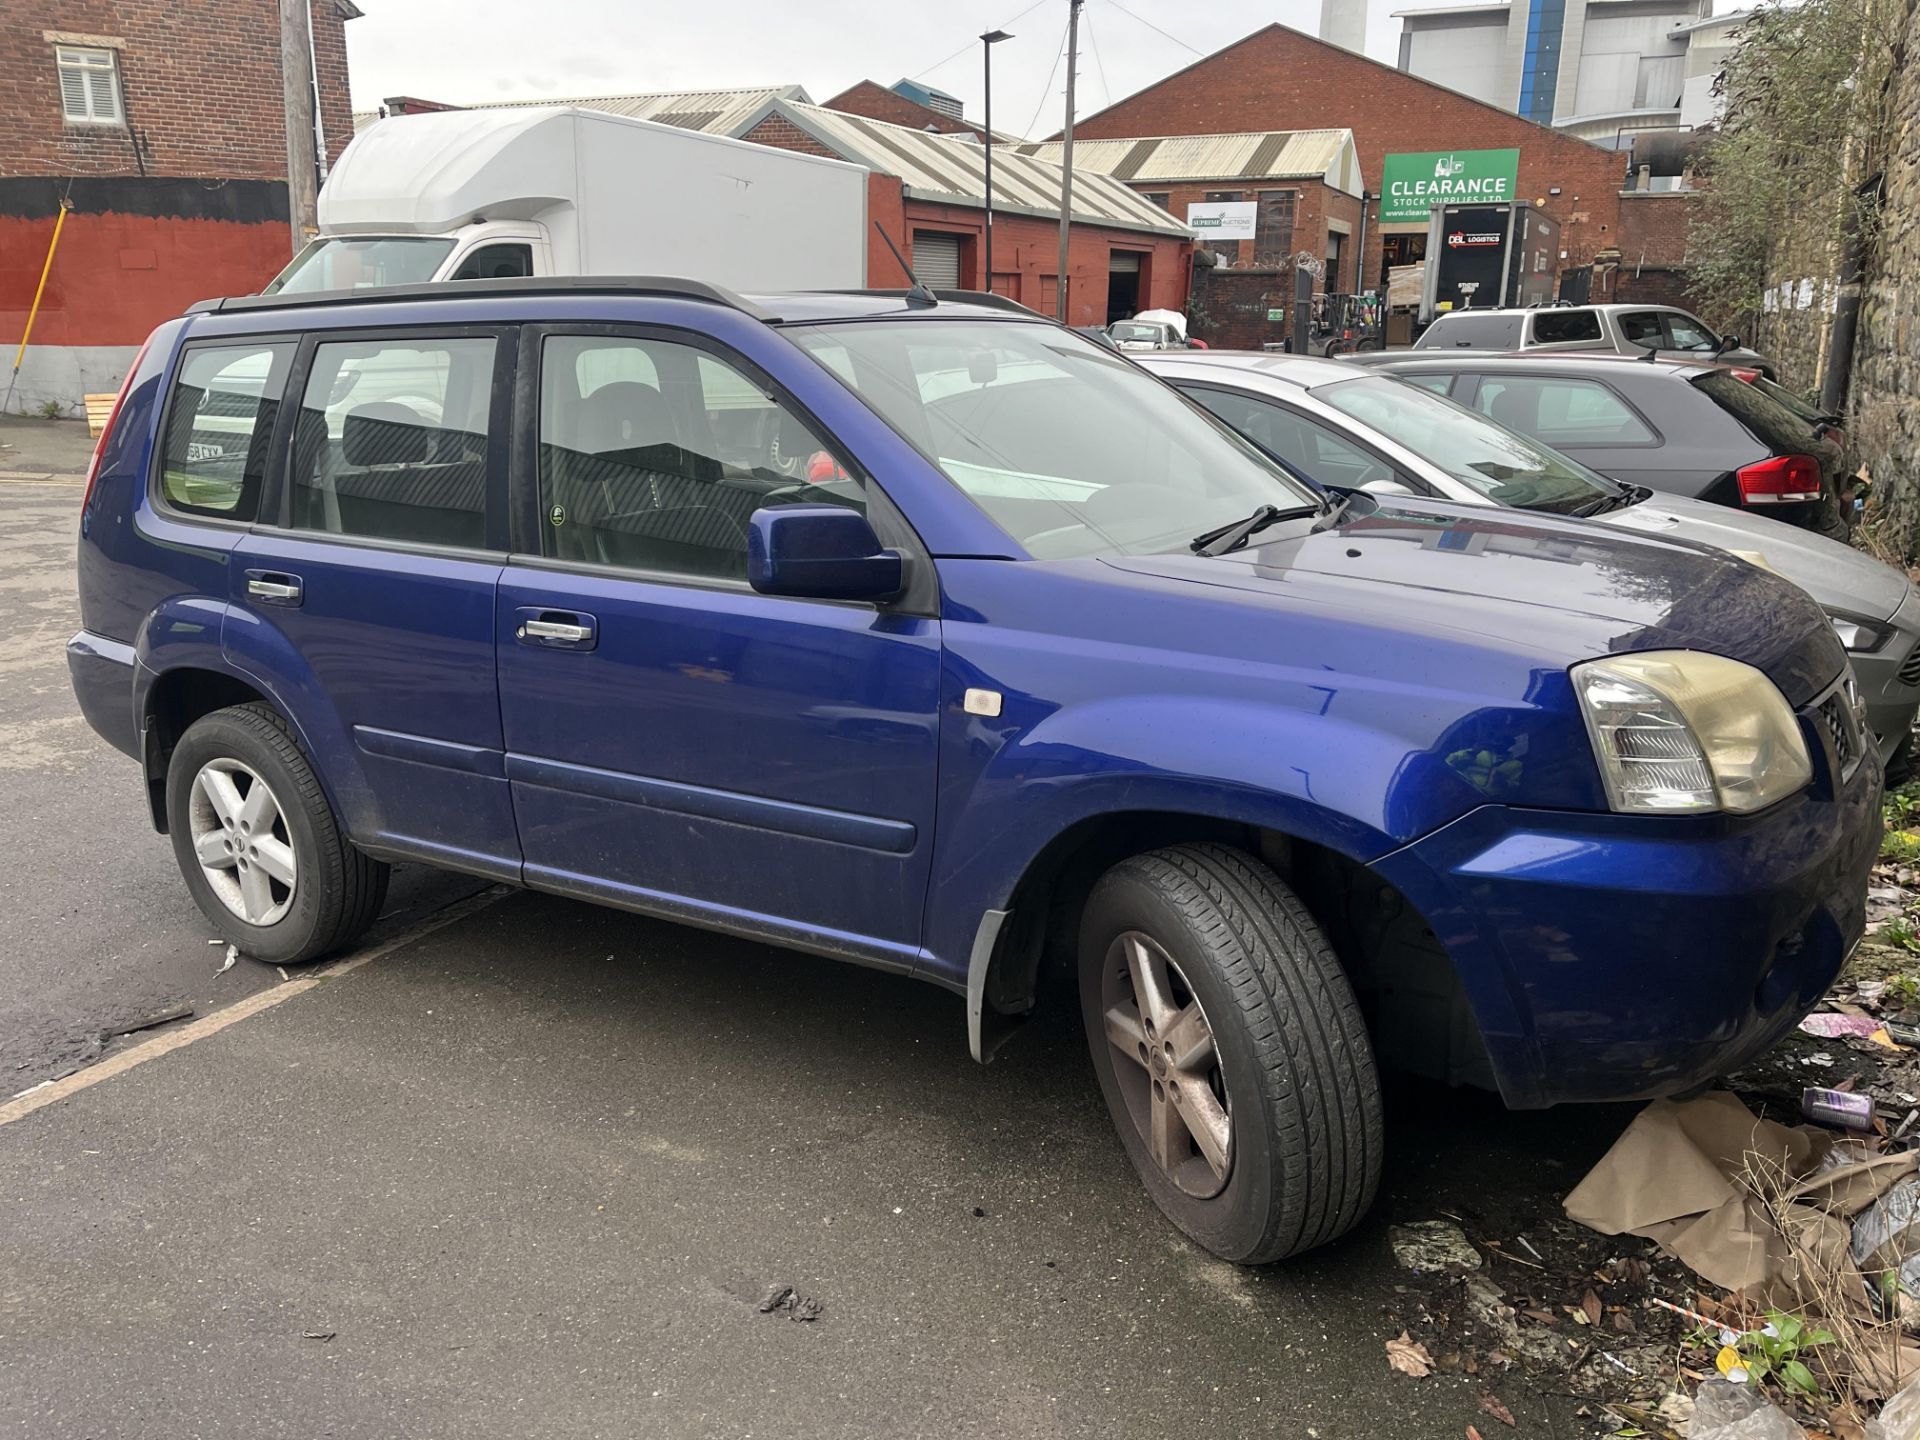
(1344, 23)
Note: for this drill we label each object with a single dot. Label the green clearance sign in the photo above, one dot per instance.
(1411, 185)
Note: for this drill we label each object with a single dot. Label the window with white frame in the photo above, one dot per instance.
(89, 85)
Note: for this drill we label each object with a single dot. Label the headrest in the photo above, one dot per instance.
(385, 433)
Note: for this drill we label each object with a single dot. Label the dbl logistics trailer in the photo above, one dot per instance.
(1488, 257)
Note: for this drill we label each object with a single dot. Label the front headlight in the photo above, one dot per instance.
(1682, 731)
(1858, 634)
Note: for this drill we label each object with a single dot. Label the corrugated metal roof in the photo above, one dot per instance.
(952, 169)
(1255, 155)
(715, 112)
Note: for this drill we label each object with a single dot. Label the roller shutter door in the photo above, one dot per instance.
(936, 259)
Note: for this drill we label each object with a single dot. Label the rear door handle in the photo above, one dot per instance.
(555, 629)
(274, 587)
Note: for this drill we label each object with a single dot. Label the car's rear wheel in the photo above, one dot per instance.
(1231, 1052)
(258, 844)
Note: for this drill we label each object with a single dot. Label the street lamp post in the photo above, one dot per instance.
(987, 42)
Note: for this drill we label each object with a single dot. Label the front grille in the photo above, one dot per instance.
(1842, 727)
(1910, 668)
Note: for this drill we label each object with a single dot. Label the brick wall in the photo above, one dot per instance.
(784, 135)
(876, 102)
(1654, 225)
(1280, 79)
(200, 86)
(1315, 203)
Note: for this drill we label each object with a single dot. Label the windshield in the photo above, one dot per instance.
(335, 264)
(1501, 464)
(1070, 448)
(1130, 330)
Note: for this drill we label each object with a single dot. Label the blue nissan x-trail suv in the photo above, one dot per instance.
(931, 636)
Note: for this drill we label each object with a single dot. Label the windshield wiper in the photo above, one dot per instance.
(1607, 504)
(1220, 540)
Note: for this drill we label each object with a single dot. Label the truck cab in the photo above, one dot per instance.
(485, 250)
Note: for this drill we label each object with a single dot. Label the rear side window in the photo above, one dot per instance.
(654, 456)
(219, 428)
(1564, 327)
(391, 441)
(1466, 331)
(1561, 411)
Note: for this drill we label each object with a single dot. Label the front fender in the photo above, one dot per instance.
(1142, 694)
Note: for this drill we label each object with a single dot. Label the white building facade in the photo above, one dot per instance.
(1596, 68)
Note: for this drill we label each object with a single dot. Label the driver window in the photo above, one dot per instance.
(1308, 446)
(1686, 333)
(653, 456)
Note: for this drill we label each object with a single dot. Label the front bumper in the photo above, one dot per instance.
(1616, 957)
(1889, 679)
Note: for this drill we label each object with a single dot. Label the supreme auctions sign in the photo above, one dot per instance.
(1411, 185)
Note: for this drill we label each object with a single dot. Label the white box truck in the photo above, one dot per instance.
(554, 190)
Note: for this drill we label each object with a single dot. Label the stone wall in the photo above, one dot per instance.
(1884, 418)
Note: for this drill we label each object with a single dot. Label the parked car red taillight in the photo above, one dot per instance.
(1780, 480)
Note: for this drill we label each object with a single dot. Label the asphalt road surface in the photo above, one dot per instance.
(532, 1173)
(96, 930)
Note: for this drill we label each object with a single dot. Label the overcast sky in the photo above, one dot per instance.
(476, 50)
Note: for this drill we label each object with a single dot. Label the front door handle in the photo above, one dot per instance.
(555, 629)
(274, 587)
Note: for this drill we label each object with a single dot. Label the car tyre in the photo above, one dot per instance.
(258, 844)
(1216, 943)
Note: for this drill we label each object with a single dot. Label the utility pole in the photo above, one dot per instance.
(1066, 159)
(298, 101)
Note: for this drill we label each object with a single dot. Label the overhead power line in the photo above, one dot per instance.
(1004, 25)
(1142, 20)
(1046, 91)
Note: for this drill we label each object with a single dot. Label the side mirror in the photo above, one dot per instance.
(825, 552)
(1386, 487)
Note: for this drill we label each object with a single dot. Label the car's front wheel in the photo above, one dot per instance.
(1231, 1052)
(258, 844)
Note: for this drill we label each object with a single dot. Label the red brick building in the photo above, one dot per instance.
(927, 191)
(159, 124)
(877, 102)
(1305, 187)
(1281, 79)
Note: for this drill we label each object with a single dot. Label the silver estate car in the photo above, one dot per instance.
(1352, 428)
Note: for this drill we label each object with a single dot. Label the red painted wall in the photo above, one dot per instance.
(115, 277)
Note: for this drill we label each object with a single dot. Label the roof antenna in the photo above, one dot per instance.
(919, 294)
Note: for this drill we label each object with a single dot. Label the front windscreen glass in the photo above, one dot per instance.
(1501, 464)
(341, 264)
(1070, 448)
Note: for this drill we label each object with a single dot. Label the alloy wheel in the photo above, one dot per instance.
(240, 838)
(1167, 1064)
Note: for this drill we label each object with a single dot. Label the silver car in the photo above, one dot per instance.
(1666, 330)
(1350, 428)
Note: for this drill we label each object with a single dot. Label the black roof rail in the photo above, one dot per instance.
(666, 285)
(958, 297)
